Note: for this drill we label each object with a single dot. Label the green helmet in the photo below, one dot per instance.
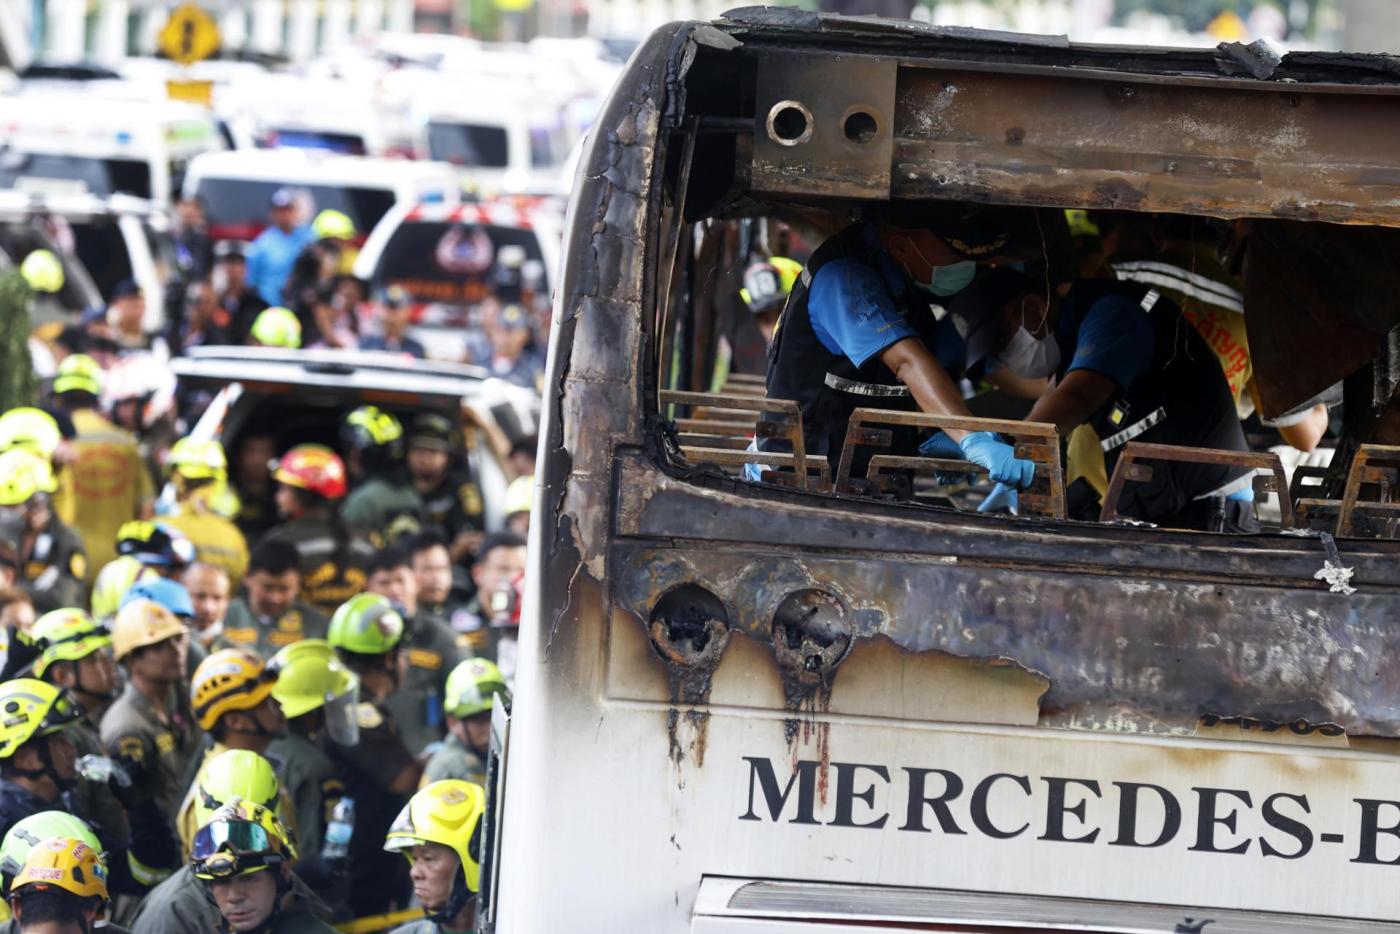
(27, 834)
(66, 635)
(277, 327)
(235, 773)
(472, 687)
(43, 271)
(311, 677)
(78, 373)
(333, 225)
(32, 429)
(366, 624)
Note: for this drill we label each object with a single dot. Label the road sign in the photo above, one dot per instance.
(196, 92)
(189, 36)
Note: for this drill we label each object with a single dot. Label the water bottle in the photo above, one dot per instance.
(339, 831)
(102, 769)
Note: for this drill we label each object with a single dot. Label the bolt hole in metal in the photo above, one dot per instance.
(860, 127)
(689, 625)
(789, 123)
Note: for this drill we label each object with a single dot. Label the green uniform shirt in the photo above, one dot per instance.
(333, 560)
(180, 903)
(264, 637)
(455, 760)
(157, 749)
(53, 569)
(431, 650)
(382, 511)
(94, 801)
(313, 783)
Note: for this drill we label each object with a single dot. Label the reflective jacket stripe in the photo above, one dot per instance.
(1132, 431)
(1190, 284)
(879, 390)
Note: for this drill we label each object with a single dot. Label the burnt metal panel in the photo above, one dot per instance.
(823, 126)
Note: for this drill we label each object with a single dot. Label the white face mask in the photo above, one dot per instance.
(1030, 356)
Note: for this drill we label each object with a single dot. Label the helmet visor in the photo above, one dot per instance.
(235, 837)
(341, 724)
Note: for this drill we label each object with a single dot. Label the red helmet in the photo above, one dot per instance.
(314, 468)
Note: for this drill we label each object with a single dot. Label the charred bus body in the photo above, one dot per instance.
(802, 703)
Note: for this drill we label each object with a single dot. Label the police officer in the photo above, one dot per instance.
(53, 562)
(37, 758)
(859, 331)
(310, 480)
(1129, 364)
(380, 773)
(146, 729)
(271, 614)
(383, 506)
(472, 690)
(428, 645)
(439, 830)
(451, 499)
(318, 697)
(198, 471)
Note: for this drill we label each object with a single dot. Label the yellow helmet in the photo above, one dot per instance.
(335, 225)
(229, 679)
(78, 373)
(43, 271)
(519, 495)
(310, 677)
(63, 863)
(66, 635)
(238, 839)
(23, 476)
(1080, 225)
(29, 709)
(141, 623)
(197, 460)
(235, 775)
(113, 581)
(447, 813)
(277, 327)
(472, 688)
(32, 429)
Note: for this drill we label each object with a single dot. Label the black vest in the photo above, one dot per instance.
(828, 386)
(1182, 399)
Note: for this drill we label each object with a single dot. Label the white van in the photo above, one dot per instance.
(65, 143)
(501, 146)
(298, 112)
(236, 186)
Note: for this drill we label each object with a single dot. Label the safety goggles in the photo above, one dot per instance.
(234, 838)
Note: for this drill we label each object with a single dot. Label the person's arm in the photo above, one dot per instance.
(1306, 433)
(1073, 401)
(1013, 384)
(933, 389)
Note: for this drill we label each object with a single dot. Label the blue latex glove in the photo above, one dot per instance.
(1002, 499)
(1003, 466)
(941, 446)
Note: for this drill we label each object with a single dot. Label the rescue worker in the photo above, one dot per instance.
(310, 480)
(429, 647)
(109, 477)
(1128, 364)
(439, 830)
(436, 577)
(37, 758)
(209, 588)
(383, 506)
(117, 577)
(174, 597)
(62, 887)
(146, 729)
(767, 284)
(319, 696)
(53, 563)
(252, 484)
(21, 841)
(39, 433)
(235, 775)
(231, 692)
(270, 614)
(472, 690)
(198, 471)
(75, 655)
(244, 858)
(499, 564)
(451, 499)
(275, 327)
(859, 331)
(158, 546)
(380, 773)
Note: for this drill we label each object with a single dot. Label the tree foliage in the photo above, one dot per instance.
(17, 383)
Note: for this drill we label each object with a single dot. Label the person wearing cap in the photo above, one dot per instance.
(383, 506)
(311, 481)
(473, 689)
(1128, 364)
(239, 302)
(109, 477)
(198, 472)
(51, 556)
(394, 315)
(126, 317)
(274, 252)
(859, 331)
(439, 831)
(270, 613)
(147, 729)
(452, 501)
(511, 358)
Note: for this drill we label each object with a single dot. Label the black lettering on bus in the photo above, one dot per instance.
(1055, 810)
(846, 795)
(1371, 831)
(982, 820)
(919, 800)
(805, 775)
(1294, 828)
(1208, 818)
(1128, 815)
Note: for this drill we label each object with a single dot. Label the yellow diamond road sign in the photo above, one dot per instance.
(189, 36)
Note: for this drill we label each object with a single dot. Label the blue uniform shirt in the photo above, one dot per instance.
(1112, 337)
(271, 257)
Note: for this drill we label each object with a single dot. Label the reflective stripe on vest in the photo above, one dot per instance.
(877, 390)
(1132, 431)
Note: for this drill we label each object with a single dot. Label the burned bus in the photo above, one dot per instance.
(831, 699)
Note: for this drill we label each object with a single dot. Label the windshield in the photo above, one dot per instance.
(469, 144)
(548, 147)
(48, 172)
(350, 144)
(455, 263)
(237, 208)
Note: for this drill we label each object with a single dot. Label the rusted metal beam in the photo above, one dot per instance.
(1130, 467)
